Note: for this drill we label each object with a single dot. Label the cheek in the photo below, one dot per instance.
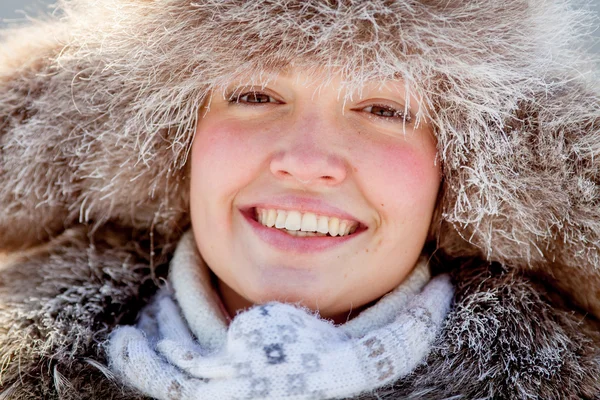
(224, 160)
(404, 176)
(217, 159)
(223, 157)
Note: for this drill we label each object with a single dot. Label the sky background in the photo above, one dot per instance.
(8, 10)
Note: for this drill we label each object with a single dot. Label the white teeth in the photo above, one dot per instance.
(280, 221)
(293, 221)
(342, 230)
(323, 225)
(271, 218)
(302, 234)
(309, 222)
(334, 225)
(305, 225)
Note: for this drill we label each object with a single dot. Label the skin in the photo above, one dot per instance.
(294, 138)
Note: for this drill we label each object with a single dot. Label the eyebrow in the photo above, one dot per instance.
(278, 69)
(284, 71)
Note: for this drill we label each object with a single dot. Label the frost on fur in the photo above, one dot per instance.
(112, 100)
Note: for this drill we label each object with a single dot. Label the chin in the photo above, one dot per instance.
(288, 285)
(288, 292)
(283, 293)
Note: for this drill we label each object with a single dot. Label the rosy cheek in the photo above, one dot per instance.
(217, 141)
(223, 154)
(406, 175)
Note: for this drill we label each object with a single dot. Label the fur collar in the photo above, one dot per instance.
(506, 336)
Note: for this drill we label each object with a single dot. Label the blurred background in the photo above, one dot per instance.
(12, 10)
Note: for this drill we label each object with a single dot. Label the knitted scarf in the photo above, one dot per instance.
(183, 348)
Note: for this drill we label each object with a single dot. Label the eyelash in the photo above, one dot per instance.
(395, 114)
(235, 98)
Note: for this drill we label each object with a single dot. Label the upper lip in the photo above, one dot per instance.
(304, 205)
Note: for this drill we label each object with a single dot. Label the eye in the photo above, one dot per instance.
(251, 98)
(387, 112)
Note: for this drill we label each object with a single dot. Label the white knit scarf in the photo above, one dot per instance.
(183, 348)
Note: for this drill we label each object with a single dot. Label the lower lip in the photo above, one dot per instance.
(286, 242)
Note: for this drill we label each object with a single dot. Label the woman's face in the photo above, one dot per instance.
(303, 156)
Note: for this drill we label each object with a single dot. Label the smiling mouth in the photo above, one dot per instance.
(299, 224)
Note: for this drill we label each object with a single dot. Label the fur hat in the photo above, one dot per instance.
(98, 107)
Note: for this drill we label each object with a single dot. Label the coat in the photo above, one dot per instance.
(97, 108)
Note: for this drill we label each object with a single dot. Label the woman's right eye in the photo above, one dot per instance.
(252, 98)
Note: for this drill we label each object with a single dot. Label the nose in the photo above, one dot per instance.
(307, 160)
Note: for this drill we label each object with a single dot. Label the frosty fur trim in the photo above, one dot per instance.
(96, 122)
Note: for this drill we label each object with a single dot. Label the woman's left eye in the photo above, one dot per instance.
(252, 98)
(387, 112)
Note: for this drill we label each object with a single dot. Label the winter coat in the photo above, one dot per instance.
(97, 109)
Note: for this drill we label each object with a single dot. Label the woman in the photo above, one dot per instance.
(103, 174)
